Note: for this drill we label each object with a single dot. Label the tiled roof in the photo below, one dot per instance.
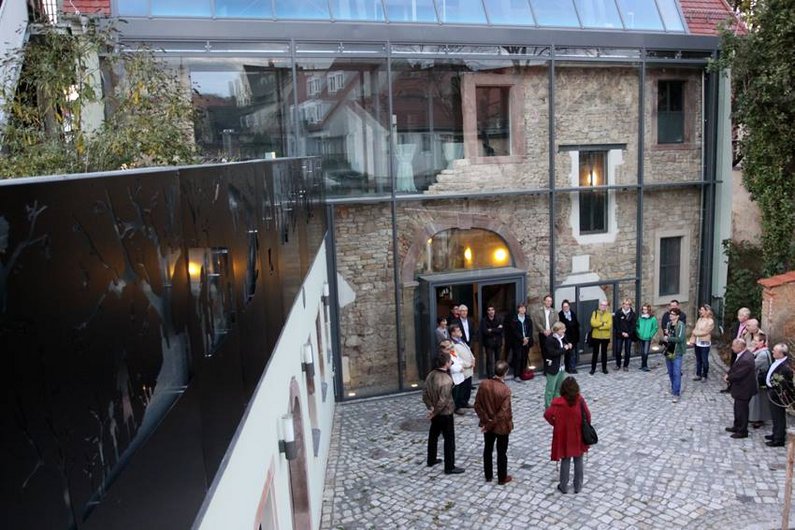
(775, 281)
(87, 7)
(703, 17)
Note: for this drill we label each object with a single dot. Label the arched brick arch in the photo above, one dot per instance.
(463, 221)
(299, 483)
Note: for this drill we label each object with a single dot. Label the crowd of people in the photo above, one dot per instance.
(759, 382)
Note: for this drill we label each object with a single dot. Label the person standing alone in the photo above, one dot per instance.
(438, 398)
(565, 416)
(493, 407)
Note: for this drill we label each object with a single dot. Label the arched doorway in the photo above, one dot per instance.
(299, 484)
(471, 266)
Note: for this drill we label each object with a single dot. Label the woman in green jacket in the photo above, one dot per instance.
(601, 330)
(646, 329)
(676, 344)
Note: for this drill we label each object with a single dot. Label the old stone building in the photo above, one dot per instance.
(476, 152)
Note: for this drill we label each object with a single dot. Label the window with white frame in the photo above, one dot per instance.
(313, 86)
(335, 82)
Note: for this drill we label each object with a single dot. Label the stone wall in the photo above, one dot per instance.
(674, 162)
(363, 240)
(778, 301)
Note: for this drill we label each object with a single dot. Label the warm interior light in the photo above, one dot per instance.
(590, 178)
(351, 394)
(468, 255)
(414, 385)
(500, 256)
(531, 367)
(430, 240)
(194, 270)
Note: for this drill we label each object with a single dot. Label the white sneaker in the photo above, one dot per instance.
(675, 400)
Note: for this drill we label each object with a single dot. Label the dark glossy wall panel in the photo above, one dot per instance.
(121, 295)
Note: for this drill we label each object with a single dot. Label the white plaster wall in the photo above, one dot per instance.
(238, 488)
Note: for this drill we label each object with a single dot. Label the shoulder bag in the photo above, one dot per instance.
(589, 436)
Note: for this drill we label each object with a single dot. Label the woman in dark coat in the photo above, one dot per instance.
(569, 317)
(565, 416)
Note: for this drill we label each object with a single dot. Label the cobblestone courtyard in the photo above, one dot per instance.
(658, 464)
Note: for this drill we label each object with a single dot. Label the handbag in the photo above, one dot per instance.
(589, 436)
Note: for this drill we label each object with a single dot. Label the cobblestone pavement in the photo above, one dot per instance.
(658, 464)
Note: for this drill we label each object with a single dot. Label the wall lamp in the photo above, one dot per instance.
(326, 294)
(308, 360)
(287, 444)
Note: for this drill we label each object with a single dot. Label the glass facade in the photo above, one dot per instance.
(635, 15)
(456, 175)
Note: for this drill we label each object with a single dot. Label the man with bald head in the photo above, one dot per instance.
(739, 331)
(741, 379)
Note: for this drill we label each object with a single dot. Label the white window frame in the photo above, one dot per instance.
(684, 266)
(615, 158)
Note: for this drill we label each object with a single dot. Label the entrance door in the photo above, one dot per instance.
(503, 296)
(502, 288)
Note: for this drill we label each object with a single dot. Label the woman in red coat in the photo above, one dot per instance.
(565, 416)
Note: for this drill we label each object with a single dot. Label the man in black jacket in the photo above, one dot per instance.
(491, 329)
(520, 333)
(742, 385)
(780, 393)
(624, 328)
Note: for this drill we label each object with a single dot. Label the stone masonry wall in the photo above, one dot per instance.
(778, 301)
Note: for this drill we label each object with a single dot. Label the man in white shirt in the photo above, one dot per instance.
(543, 318)
(462, 351)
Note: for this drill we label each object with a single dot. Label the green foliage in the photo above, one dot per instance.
(149, 116)
(763, 76)
(742, 289)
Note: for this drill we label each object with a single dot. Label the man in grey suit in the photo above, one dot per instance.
(742, 385)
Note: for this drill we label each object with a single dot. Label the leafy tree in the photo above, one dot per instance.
(149, 115)
(762, 64)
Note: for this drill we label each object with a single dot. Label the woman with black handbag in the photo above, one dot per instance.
(568, 414)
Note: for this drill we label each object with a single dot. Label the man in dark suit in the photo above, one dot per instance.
(520, 335)
(738, 331)
(463, 320)
(491, 338)
(554, 351)
(569, 318)
(780, 393)
(742, 385)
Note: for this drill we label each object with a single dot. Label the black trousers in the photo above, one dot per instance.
(442, 424)
(599, 347)
(741, 415)
(492, 355)
(625, 345)
(542, 344)
(502, 455)
(779, 416)
(462, 392)
(519, 358)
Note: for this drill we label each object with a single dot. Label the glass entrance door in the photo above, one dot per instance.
(439, 293)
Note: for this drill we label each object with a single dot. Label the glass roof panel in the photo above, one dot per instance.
(357, 10)
(181, 8)
(303, 10)
(640, 14)
(670, 15)
(598, 14)
(243, 8)
(410, 11)
(555, 13)
(509, 12)
(461, 11)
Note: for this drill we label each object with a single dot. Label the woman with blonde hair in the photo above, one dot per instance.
(702, 339)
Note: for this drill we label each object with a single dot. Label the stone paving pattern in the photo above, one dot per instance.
(658, 464)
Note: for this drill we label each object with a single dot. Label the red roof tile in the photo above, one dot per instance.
(703, 17)
(775, 281)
